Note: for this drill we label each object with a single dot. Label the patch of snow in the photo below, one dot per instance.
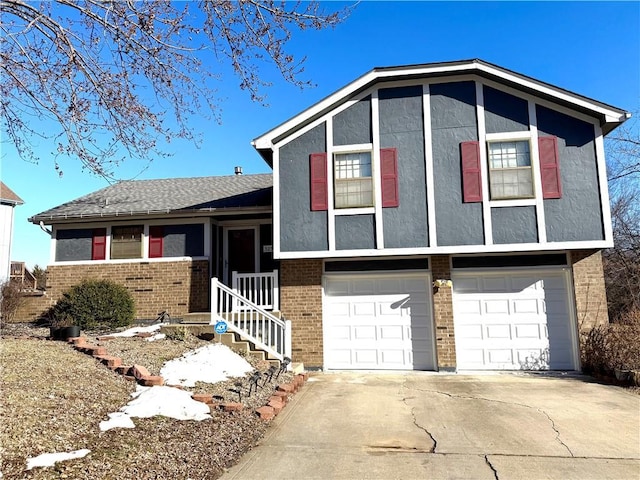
(159, 400)
(157, 336)
(131, 332)
(117, 420)
(209, 364)
(49, 459)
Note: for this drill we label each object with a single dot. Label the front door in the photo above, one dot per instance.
(240, 252)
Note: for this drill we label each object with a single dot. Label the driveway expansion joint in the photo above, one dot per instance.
(471, 397)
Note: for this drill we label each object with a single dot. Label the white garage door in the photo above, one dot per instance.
(513, 321)
(380, 321)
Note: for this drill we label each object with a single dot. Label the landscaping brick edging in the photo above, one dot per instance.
(136, 373)
(142, 376)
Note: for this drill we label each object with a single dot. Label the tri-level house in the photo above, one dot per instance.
(444, 216)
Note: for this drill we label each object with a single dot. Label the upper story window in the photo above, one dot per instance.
(511, 166)
(126, 242)
(510, 174)
(353, 180)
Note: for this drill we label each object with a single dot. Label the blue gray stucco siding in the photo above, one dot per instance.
(352, 126)
(453, 120)
(355, 232)
(402, 127)
(300, 228)
(504, 112)
(514, 225)
(577, 216)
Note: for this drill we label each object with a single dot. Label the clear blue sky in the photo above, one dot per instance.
(591, 48)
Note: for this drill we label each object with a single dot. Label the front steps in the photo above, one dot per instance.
(230, 339)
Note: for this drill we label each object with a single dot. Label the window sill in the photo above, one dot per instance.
(355, 211)
(521, 202)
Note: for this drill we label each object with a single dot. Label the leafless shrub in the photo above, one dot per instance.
(12, 299)
(607, 348)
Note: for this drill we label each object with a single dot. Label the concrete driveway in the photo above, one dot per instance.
(406, 426)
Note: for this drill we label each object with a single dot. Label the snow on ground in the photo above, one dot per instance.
(152, 401)
(209, 364)
(132, 332)
(49, 459)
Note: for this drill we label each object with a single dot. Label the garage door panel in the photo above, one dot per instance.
(497, 307)
(392, 332)
(469, 331)
(528, 331)
(365, 358)
(393, 357)
(364, 332)
(364, 309)
(364, 287)
(388, 318)
(498, 331)
(513, 321)
(521, 306)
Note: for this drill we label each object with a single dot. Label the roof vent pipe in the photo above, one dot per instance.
(238, 170)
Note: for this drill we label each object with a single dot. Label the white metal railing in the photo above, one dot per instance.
(260, 288)
(250, 321)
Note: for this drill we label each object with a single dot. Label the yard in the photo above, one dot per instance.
(54, 398)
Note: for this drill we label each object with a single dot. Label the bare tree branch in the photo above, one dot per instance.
(115, 77)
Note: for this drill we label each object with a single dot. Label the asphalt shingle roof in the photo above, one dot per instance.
(9, 196)
(139, 197)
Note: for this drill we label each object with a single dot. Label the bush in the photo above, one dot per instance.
(12, 299)
(615, 346)
(92, 304)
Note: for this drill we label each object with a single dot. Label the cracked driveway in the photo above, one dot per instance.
(405, 426)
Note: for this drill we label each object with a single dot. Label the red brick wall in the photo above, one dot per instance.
(443, 313)
(590, 293)
(178, 286)
(301, 302)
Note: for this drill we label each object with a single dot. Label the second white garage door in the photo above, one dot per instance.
(513, 321)
(376, 322)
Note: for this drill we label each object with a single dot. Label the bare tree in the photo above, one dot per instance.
(111, 77)
(622, 262)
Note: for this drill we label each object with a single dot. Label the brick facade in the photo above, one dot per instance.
(301, 302)
(589, 288)
(179, 287)
(443, 313)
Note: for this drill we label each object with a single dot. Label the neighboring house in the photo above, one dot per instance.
(8, 201)
(431, 217)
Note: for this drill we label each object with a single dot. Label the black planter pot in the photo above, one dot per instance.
(64, 333)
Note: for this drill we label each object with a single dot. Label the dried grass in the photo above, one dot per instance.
(53, 399)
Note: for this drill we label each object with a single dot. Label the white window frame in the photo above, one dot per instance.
(533, 158)
(353, 149)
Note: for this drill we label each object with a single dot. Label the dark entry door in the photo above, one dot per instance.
(241, 251)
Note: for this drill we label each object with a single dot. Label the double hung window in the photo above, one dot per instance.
(353, 186)
(510, 174)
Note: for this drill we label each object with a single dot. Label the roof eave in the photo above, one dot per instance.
(610, 117)
(119, 216)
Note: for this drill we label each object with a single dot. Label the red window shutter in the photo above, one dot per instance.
(156, 237)
(471, 174)
(389, 171)
(549, 167)
(319, 192)
(99, 244)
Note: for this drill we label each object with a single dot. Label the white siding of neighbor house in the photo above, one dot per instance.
(6, 233)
